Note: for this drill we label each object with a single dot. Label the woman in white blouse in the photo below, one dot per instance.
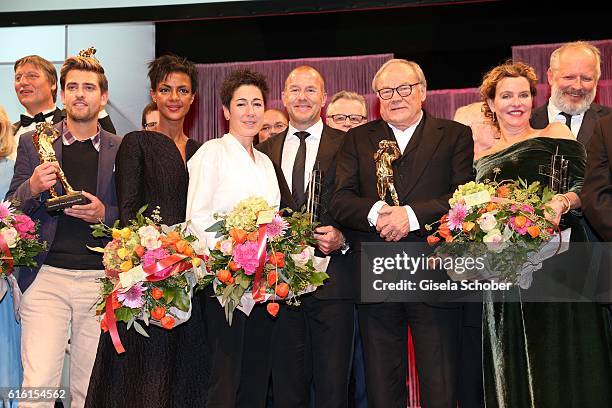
(221, 173)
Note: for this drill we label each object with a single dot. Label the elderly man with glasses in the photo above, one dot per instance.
(346, 110)
(436, 157)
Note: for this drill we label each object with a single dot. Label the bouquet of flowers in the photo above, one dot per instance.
(151, 270)
(262, 256)
(502, 221)
(19, 245)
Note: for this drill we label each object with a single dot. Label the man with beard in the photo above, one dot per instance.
(61, 293)
(573, 75)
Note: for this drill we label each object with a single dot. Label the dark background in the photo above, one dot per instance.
(455, 42)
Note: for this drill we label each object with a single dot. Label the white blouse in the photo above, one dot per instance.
(221, 173)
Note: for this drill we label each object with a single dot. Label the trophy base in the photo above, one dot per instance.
(65, 201)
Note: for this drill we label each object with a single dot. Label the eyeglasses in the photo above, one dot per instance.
(402, 90)
(278, 127)
(150, 125)
(354, 119)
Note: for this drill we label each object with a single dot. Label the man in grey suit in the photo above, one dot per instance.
(573, 74)
(60, 294)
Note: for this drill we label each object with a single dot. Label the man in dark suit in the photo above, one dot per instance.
(436, 157)
(327, 314)
(61, 293)
(36, 88)
(573, 74)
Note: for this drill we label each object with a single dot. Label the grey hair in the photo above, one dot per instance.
(556, 55)
(350, 96)
(413, 65)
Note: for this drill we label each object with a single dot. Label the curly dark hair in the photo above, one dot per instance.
(508, 69)
(163, 66)
(241, 77)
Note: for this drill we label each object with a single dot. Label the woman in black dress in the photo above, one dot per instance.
(169, 369)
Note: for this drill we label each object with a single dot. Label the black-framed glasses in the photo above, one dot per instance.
(150, 125)
(354, 119)
(402, 90)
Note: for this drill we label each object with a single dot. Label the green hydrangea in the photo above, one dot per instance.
(244, 214)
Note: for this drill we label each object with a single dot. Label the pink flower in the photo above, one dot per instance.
(245, 255)
(133, 296)
(520, 230)
(154, 255)
(277, 227)
(456, 215)
(5, 209)
(24, 226)
(527, 208)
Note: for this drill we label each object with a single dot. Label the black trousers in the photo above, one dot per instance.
(436, 332)
(309, 343)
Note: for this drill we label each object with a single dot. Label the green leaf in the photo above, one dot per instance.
(140, 329)
(317, 278)
(124, 314)
(216, 227)
(182, 301)
(169, 294)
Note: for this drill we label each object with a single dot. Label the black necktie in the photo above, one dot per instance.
(568, 119)
(297, 176)
(39, 117)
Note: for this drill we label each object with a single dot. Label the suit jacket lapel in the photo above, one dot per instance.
(276, 155)
(57, 146)
(378, 132)
(426, 142)
(587, 127)
(539, 118)
(328, 146)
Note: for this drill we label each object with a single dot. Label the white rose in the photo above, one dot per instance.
(494, 240)
(150, 242)
(487, 222)
(226, 247)
(11, 236)
(303, 257)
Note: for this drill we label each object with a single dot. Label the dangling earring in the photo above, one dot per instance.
(494, 117)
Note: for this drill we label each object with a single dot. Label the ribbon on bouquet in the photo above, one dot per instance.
(262, 239)
(7, 255)
(174, 263)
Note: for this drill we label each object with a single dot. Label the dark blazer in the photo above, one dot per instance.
(596, 192)
(341, 282)
(28, 159)
(539, 120)
(59, 114)
(437, 159)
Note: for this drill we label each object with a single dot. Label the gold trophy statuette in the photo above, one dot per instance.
(43, 139)
(386, 154)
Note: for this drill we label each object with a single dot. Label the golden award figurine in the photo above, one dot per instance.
(386, 154)
(43, 139)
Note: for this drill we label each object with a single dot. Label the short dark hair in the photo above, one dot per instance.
(241, 77)
(151, 106)
(79, 63)
(163, 66)
(42, 64)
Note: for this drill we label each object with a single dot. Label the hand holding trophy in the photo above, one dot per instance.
(43, 139)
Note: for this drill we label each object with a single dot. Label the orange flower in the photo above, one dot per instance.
(114, 301)
(157, 293)
(444, 219)
(239, 236)
(223, 275)
(277, 259)
(103, 324)
(520, 221)
(534, 231)
(444, 231)
(449, 238)
(234, 266)
(503, 191)
(491, 206)
(272, 308)
(173, 237)
(468, 226)
(167, 322)
(272, 278)
(432, 240)
(139, 250)
(282, 290)
(230, 281)
(253, 236)
(183, 247)
(158, 313)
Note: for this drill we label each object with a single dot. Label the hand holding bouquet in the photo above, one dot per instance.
(151, 270)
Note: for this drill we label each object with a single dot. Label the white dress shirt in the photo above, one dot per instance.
(22, 130)
(221, 173)
(290, 148)
(554, 115)
(403, 138)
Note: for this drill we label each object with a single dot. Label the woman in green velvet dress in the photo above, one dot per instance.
(539, 354)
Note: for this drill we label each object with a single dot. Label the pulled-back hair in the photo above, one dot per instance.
(163, 66)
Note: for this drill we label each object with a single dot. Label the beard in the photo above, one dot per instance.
(80, 115)
(561, 101)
